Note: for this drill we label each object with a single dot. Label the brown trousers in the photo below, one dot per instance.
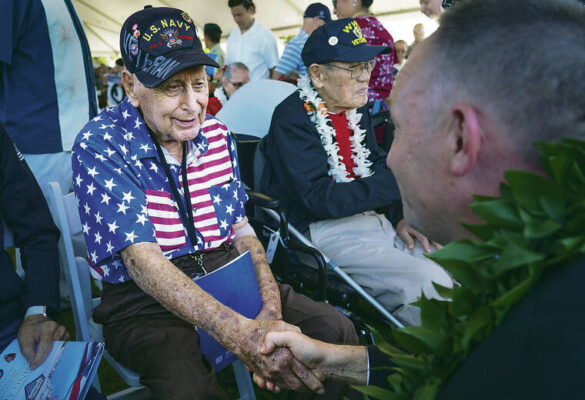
(164, 350)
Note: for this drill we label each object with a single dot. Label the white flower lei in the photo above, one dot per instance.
(219, 93)
(320, 118)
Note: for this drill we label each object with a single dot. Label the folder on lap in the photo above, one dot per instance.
(235, 286)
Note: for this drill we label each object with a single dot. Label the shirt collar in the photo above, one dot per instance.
(140, 142)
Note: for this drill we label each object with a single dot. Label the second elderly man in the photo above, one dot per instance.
(160, 200)
(328, 172)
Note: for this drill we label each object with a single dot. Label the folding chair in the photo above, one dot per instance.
(66, 217)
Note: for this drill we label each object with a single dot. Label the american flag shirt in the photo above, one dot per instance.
(124, 196)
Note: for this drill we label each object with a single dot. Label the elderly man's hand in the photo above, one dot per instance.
(324, 360)
(408, 234)
(36, 336)
(279, 368)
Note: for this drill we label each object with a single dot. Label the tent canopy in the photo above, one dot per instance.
(103, 19)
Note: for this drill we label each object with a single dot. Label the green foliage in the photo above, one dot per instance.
(535, 224)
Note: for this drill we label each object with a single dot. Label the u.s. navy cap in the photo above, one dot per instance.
(339, 40)
(158, 42)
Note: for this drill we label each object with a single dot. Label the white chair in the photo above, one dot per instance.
(66, 217)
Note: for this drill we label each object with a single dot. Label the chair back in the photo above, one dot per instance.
(66, 217)
(246, 148)
(77, 272)
(261, 172)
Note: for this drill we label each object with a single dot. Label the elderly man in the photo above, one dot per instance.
(235, 75)
(161, 201)
(330, 175)
(291, 63)
(455, 139)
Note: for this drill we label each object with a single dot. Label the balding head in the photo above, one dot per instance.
(466, 110)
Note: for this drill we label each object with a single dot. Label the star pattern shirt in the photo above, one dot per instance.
(124, 196)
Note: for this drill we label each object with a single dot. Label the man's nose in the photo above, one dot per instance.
(191, 100)
(364, 75)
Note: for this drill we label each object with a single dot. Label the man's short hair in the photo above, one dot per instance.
(227, 73)
(213, 31)
(245, 3)
(522, 60)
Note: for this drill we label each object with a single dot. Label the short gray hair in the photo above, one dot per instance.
(228, 69)
(522, 59)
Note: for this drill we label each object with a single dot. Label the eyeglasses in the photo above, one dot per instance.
(357, 70)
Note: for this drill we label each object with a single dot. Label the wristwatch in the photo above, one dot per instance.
(41, 310)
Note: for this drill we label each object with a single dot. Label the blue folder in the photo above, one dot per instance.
(235, 286)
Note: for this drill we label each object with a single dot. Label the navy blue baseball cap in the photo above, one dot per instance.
(318, 10)
(158, 42)
(339, 40)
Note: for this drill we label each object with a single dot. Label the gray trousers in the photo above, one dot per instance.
(367, 247)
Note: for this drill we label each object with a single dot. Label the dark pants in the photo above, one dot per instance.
(164, 349)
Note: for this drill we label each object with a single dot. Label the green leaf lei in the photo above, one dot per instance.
(534, 225)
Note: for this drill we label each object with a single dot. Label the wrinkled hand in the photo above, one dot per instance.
(279, 368)
(407, 233)
(306, 350)
(36, 336)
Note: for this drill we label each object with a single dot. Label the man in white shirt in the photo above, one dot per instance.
(251, 43)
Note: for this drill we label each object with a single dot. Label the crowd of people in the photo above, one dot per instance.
(161, 199)
(252, 45)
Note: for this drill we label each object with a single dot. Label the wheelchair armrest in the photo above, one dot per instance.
(262, 200)
(319, 258)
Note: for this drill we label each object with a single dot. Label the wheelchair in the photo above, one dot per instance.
(294, 260)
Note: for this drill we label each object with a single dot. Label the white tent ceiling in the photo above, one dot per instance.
(103, 19)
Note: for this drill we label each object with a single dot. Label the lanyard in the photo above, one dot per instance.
(186, 216)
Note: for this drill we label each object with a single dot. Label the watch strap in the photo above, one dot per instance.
(36, 310)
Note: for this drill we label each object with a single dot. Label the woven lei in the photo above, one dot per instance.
(319, 116)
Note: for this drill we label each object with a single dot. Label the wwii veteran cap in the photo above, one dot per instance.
(318, 10)
(158, 42)
(339, 40)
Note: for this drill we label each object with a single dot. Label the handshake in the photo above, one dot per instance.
(287, 359)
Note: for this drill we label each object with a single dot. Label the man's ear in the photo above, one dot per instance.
(316, 75)
(128, 82)
(465, 138)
